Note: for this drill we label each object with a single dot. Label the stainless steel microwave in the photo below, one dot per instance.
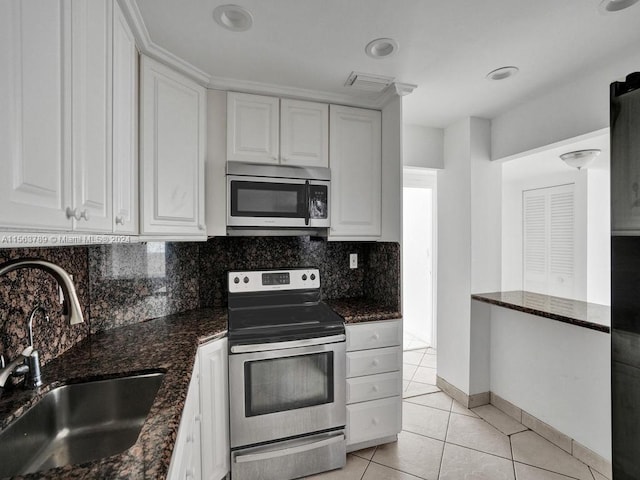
(279, 199)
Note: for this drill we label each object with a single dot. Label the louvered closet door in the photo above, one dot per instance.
(549, 240)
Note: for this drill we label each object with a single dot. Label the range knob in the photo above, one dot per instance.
(245, 279)
(313, 276)
(304, 276)
(236, 280)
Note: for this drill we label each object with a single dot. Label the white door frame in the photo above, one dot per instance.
(416, 177)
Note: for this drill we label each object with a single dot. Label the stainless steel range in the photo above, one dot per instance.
(286, 376)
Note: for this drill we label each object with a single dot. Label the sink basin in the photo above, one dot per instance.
(78, 423)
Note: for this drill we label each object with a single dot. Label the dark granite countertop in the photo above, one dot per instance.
(583, 314)
(355, 310)
(167, 344)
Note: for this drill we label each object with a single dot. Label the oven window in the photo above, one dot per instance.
(264, 199)
(280, 384)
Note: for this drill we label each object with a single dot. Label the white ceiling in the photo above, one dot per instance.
(446, 47)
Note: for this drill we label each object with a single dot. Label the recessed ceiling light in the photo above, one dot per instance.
(381, 48)
(502, 73)
(611, 6)
(233, 17)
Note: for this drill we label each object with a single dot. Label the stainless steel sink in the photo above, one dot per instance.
(78, 423)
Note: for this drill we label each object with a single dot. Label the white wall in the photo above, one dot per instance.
(557, 372)
(598, 232)
(454, 257)
(572, 107)
(392, 171)
(469, 253)
(422, 146)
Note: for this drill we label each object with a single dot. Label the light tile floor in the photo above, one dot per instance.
(442, 440)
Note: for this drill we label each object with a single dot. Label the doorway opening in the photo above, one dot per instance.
(418, 254)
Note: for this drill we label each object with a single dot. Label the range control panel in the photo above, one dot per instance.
(266, 280)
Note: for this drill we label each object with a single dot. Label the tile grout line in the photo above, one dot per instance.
(444, 444)
(513, 460)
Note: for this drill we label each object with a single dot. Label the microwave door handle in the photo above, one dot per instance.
(307, 213)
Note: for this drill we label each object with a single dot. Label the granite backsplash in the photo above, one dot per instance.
(123, 284)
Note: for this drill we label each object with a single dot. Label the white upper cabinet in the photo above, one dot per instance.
(125, 126)
(252, 128)
(56, 114)
(91, 115)
(264, 129)
(304, 133)
(35, 185)
(356, 163)
(172, 126)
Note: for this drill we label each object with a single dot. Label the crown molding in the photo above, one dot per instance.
(147, 47)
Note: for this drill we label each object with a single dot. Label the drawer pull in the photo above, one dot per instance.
(375, 362)
(375, 420)
(376, 336)
(374, 388)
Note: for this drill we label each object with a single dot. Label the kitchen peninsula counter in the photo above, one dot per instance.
(166, 344)
(360, 309)
(575, 312)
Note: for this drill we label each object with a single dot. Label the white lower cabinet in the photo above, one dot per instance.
(201, 450)
(214, 395)
(185, 461)
(374, 383)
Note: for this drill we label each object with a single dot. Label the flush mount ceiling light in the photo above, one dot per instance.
(611, 6)
(381, 48)
(580, 158)
(233, 17)
(502, 73)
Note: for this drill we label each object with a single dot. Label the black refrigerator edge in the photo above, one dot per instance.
(625, 277)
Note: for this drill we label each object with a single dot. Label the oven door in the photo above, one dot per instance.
(277, 394)
(277, 202)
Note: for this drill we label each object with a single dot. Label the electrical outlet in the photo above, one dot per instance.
(353, 260)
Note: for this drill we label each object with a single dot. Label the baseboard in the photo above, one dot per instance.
(555, 436)
(468, 401)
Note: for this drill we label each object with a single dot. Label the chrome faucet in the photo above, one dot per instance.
(28, 362)
(70, 305)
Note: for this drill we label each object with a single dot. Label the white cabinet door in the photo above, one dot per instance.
(252, 128)
(356, 162)
(35, 184)
(172, 152)
(214, 391)
(91, 114)
(304, 133)
(185, 460)
(125, 126)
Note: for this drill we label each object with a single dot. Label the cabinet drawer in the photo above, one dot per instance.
(372, 420)
(374, 335)
(370, 362)
(372, 387)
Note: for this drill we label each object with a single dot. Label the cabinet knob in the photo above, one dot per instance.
(72, 213)
(200, 227)
(119, 220)
(376, 336)
(374, 388)
(375, 362)
(84, 214)
(191, 438)
(196, 418)
(375, 421)
(190, 473)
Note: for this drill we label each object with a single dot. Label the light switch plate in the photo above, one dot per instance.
(353, 260)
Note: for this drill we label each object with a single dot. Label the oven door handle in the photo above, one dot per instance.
(307, 202)
(308, 342)
(255, 457)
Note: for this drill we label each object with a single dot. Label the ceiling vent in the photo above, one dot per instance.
(367, 82)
